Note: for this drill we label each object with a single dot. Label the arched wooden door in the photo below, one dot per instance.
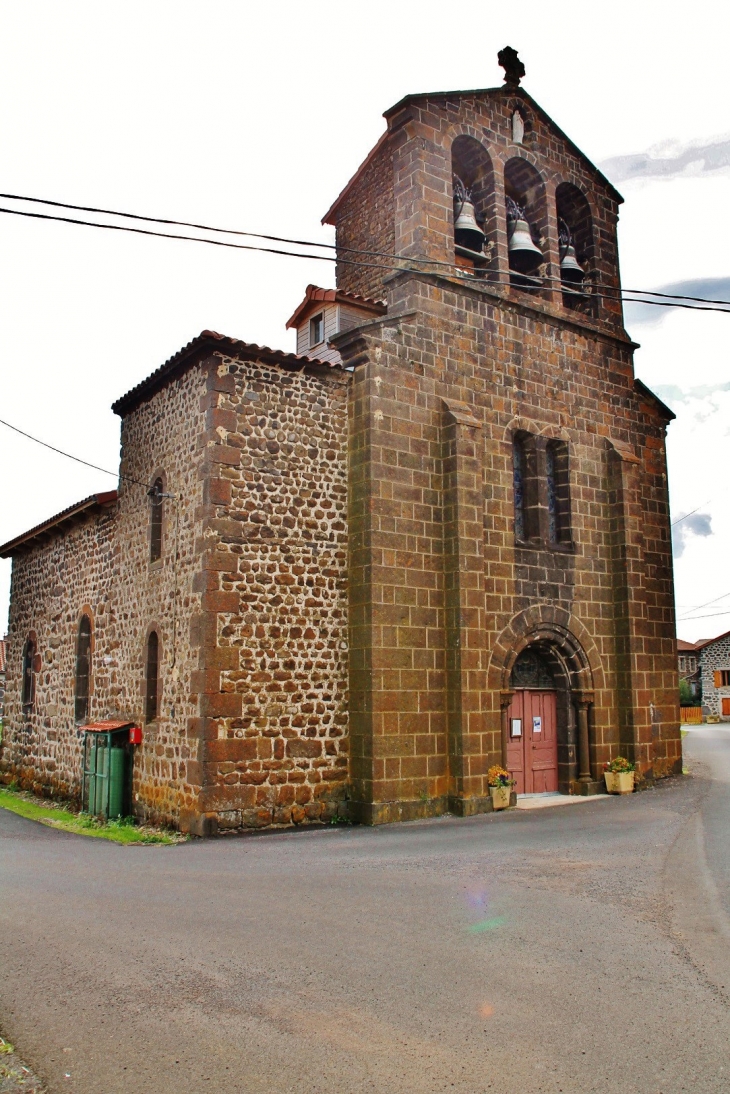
(532, 752)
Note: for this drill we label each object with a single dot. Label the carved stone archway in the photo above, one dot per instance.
(569, 651)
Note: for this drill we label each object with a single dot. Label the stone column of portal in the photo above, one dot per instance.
(583, 700)
(505, 698)
(463, 524)
(633, 661)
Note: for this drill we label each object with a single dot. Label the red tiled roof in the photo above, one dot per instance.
(708, 641)
(3, 654)
(314, 295)
(94, 501)
(210, 341)
(683, 646)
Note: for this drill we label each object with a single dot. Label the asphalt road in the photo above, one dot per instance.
(572, 949)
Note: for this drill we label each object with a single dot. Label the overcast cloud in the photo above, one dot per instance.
(697, 524)
(669, 160)
(709, 288)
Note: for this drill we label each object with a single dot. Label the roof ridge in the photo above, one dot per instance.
(103, 497)
(212, 339)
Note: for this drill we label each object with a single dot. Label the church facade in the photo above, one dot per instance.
(349, 580)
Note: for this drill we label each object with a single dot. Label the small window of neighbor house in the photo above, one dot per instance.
(722, 678)
(316, 329)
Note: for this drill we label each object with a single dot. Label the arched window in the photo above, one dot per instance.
(156, 514)
(151, 701)
(28, 689)
(83, 670)
(577, 251)
(475, 220)
(558, 491)
(527, 223)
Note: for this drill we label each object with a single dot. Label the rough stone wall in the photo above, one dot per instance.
(52, 584)
(715, 657)
(102, 564)
(161, 438)
(273, 625)
(432, 642)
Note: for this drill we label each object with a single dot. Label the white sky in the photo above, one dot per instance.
(254, 116)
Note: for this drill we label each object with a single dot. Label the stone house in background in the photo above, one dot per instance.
(714, 657)
(688, 665)
(436, 538)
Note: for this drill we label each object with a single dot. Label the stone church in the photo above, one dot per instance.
(347, 580)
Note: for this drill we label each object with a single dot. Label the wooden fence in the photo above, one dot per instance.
(690, 716)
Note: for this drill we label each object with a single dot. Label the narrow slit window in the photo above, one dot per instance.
(518, 463)
(156, 514)
(558, 492)
(28, 691)
(83, 670)
(152, 678)
(553, 521)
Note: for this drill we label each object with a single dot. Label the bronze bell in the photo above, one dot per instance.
(570, 269)
(524, 256)
(467, 232)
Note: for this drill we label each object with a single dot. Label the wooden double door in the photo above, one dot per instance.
(532, 751)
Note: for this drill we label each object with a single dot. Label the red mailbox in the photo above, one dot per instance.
(135, 735)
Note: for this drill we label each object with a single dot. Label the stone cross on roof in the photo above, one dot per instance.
(513, 67)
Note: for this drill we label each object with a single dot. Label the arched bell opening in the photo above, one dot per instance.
(546, 726)
(475, 220)
(527, 224)
(576, 245)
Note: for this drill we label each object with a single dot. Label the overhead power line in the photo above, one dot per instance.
(690, 514)
(76, 459)
(712, 615)
(707, 604)
(692, 303)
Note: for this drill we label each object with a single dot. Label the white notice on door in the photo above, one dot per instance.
(537, 724)
(516, 727)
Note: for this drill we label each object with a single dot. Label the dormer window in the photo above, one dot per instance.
(316, 329)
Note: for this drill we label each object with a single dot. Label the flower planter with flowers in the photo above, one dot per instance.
(500, 786)
(619, 775)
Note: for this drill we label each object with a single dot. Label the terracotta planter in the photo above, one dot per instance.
(500, 796)
(619, 782)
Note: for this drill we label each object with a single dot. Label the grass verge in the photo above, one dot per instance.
(55, 816)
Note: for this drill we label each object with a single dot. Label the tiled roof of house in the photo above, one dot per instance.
(315, 295)
(94, 501)
(684, 647)
(708, 641)
(210, 341)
